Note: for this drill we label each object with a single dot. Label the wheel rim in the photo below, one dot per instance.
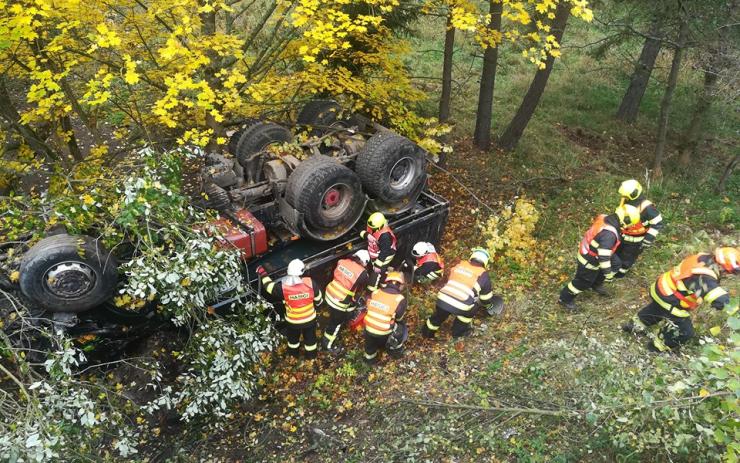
(336, 201)
(70, 280)
(403, 173)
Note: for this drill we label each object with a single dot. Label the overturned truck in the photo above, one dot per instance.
(278, 200)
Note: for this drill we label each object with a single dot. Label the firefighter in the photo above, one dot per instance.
(468, 287)
(381, 244)
(300, 295)
(342, 294)
(428, 265)
(680, 291)
(597, 258)
(642, 234)
(384, 327)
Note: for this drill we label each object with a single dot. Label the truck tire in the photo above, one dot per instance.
(327, 193)
(234, 141)
(392, 169)
(65, 273)
(319, 112)
(258, 136)
(236, 136)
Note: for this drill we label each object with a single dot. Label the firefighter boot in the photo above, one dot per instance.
(634, 325)
(600, 290)
(426, 331)
(569, 305)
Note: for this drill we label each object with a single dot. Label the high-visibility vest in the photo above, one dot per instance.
(346, 275)
(597, 227)
(372, 240)
(381, 312)
(299, 302)
(638, 229)
(671, 282)
(431, 257)
(461, 284)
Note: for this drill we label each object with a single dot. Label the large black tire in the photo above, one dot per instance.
(65, 273)
(258, 136)
(327, 193)
(319, 112)
(392, 169)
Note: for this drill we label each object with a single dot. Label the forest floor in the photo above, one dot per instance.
(482, 398)
(497, 396)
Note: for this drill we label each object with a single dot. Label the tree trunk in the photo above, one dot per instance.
(208, 28)
(726, 174)
(444, 100)
(665, 104)
(482, 135)
(632, 98)
(11, 115)
(74, 148)
(515, 129)
(701, 109)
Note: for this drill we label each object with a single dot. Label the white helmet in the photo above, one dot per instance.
(422, 248)
(363, 255)
(296, 267)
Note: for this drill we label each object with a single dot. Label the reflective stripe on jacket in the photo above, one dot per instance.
(339, 292)
(372, 241)
(460, 289)
(597, 227)
(673, 283)
(381, 312)
(299, 302)
(431, 257)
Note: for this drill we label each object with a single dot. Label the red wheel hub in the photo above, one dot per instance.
(332, 197)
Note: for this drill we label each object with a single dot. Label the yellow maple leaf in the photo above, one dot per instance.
(15, 276)
(703, 393)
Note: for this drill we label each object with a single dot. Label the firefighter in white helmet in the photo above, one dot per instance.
(428, 265)
(467, 287)
(301, 295)
(343, 293)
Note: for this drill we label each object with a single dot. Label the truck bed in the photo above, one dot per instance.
(425, 222)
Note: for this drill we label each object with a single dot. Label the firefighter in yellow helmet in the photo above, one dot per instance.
(597, 255)
(642, 234)
(384, 327)
(381, 244)
(467, 287)
(678, 292)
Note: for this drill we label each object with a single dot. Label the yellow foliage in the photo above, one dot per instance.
(512, 232)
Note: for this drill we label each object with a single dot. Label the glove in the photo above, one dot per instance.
(363, 234)
(731, 310)
(261, 271)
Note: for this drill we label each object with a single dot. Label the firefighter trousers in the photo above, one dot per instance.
(460, 327)
(676, 331)
(377, 277)
(307, 331)
(628, 252)
(586, 278)
(374, 343)
(337, 318)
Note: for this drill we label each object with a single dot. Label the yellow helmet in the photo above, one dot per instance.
(628, 215)
(630, 189)
(481, 255)
(376, 221)
(395, 276)
(728, 259)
